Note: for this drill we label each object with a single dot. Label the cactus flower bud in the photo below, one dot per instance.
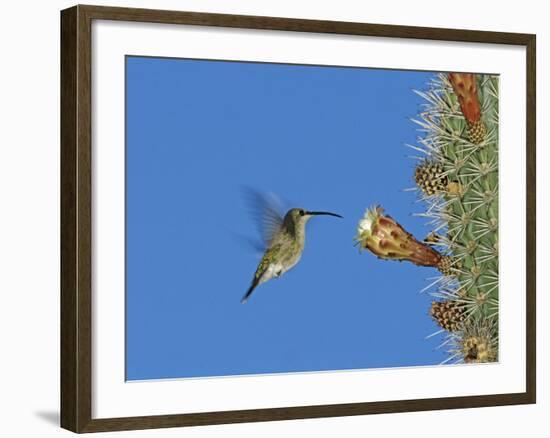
(386, 239)
(465, 87)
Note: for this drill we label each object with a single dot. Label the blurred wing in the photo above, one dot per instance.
(253, 244)
(267, 212)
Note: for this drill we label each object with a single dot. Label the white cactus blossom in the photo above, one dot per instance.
(364, 228)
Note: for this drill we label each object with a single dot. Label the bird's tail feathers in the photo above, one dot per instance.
(246, 296)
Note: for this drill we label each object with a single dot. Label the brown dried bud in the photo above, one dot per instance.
(385, 238)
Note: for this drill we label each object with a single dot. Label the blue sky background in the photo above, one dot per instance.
(322, 138)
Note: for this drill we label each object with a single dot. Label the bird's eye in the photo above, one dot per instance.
(302, 212)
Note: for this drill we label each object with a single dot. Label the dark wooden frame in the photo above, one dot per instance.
(76, 236)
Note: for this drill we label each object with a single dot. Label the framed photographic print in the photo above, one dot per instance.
(270, 218)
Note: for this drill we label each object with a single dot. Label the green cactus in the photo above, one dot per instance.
(460, 125)
(458, 181)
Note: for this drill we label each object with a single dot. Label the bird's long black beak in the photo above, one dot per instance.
(320, 213)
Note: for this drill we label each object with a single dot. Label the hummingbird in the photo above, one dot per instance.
(284, 238)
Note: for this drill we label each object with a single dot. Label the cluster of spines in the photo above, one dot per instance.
(449, 315)
(477, 342)
(457, 177)
(430, 177)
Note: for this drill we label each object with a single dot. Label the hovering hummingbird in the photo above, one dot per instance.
(284, 238)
